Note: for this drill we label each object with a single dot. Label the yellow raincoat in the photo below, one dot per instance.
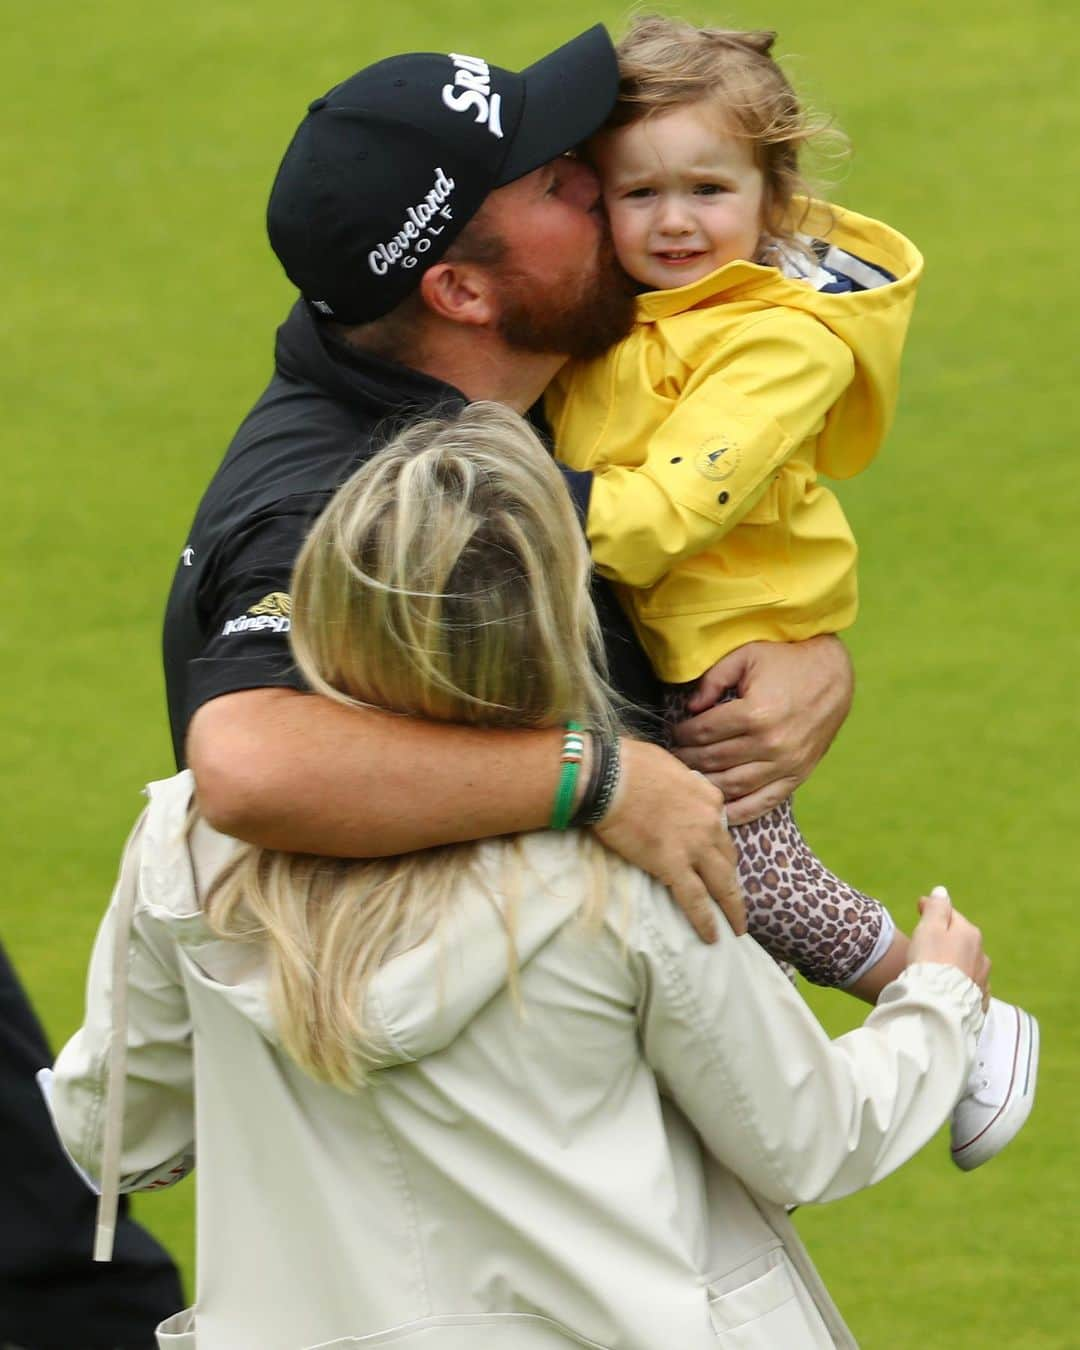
(707, 429)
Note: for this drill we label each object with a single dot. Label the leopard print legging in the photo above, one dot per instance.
(798, 910)
(801, 912)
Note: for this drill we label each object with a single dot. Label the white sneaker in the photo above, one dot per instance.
(1001, 1090)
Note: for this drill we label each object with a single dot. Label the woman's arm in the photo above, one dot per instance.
(798, 1117)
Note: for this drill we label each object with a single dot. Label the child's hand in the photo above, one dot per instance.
(945, 936)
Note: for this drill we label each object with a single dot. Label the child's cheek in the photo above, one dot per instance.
(623, 231)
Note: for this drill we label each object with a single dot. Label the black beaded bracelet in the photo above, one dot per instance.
(603, 780)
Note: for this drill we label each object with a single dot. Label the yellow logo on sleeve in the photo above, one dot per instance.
(270, 615)
(277, 603)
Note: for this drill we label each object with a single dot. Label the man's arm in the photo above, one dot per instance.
(758, 748)
(295, 771)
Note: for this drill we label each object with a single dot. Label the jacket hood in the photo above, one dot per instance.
(863, 290)
(304, 352)
(421, 1000)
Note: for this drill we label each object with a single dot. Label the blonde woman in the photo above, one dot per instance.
(494, 1096)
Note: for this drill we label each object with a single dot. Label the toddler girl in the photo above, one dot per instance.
(766, 352)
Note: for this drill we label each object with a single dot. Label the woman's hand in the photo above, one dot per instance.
(945, 936)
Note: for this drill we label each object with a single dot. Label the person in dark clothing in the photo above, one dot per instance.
(52, 1296)
(327, 407)
(447, 250)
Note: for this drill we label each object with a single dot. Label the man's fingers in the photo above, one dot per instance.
(695, 902)
(755, 804)
(722, 722)
(723, 885)
(671, 823)
(718, 679)
(739, 755)
(748, 779)
(749, 789)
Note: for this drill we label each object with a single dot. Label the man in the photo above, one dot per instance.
(446, 250)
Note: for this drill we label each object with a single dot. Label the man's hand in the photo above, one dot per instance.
(758, 748)
(670, 822)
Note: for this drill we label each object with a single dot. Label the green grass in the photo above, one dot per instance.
(140, 300)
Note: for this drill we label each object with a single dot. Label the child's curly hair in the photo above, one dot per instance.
(667, 63)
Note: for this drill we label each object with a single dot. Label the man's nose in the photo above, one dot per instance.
(580, 185)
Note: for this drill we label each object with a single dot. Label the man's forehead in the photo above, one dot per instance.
(530, 187)
(532, 184)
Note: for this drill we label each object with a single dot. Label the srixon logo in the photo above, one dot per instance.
(471, 92)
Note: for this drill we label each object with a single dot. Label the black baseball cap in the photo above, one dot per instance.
(387, 169)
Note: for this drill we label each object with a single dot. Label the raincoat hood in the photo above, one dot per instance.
(863, 290)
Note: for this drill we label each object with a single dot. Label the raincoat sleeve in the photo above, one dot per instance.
(796, 1116)
(156, 1103)
(740, 417)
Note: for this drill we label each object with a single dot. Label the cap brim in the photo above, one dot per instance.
(568, 96)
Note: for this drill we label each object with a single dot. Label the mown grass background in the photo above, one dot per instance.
(140, 300)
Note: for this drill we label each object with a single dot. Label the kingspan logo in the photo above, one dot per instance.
(270, 615)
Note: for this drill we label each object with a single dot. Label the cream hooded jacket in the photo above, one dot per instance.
(606, 1167)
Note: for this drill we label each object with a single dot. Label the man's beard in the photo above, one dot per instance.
(536, 317)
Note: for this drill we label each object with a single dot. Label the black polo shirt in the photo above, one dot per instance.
(326, 410)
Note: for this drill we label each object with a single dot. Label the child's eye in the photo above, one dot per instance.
(710, 189)
(640, 192)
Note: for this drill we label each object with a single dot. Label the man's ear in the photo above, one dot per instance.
(460, 293)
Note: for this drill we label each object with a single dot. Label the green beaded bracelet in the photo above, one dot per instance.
(573, 752)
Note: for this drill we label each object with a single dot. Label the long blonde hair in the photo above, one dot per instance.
(447, 579)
